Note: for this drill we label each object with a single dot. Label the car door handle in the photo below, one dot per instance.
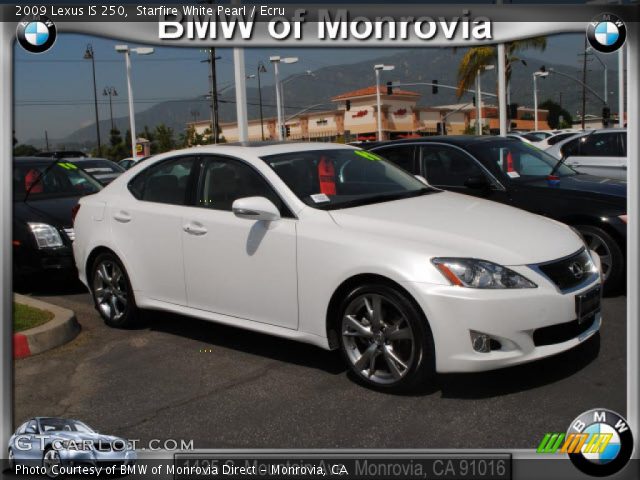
(194, 229)
(122, 217)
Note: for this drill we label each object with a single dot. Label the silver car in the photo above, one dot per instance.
(49, 441)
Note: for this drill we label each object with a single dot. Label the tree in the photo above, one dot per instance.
(24, 150)
(478, 57)
(555, 112)
(164, 138)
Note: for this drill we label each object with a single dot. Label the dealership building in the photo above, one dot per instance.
(355, 118)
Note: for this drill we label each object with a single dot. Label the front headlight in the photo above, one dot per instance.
(46, 236)
(473, 273)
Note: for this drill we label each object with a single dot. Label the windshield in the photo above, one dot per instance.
(332, 179)
(520, 161)
(63, 425)
(62, 180)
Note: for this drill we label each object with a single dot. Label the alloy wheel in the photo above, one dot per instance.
(110, 290)
(596, 243)
(378, 338)
(51, 459)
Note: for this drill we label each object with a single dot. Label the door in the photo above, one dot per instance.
(147, 227)
(600, 153)
(234, 266)
(452, 169)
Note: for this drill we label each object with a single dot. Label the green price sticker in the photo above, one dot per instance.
(368, 155)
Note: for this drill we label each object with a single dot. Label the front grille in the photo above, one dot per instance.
(569, 272)
(561, 332)
(70, 233)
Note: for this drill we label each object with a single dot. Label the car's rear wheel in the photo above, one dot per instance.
(112, 292)
(385, 339)
(50, 460)
(610, 253)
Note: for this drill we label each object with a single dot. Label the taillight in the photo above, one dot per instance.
(74, 212)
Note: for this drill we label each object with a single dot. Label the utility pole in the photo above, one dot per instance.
(214, 95)
(111, 92)
(46, 139)
(261, 69)
(89, 55)
(584, 82)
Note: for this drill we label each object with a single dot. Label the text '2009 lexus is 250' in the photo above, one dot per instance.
(334, 246)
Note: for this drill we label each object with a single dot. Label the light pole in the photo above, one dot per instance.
(539, 73)
(88, 55)
(377, 69)
(260, 69)
(276, 60)
(111, 92)
(479, 98)
(127, 57)
(606, 75)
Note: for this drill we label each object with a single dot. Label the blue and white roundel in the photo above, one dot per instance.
(610, 452)
(606, 33)
(36, 33)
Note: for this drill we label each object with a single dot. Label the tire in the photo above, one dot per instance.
(51, 457)
(611, 256)
(385, 339)
(112, 293)
(12, 461)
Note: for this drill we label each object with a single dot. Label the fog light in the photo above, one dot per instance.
(480, 342)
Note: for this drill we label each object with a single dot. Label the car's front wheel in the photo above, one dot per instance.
(611, 256)
(385, 339)
(50, 460)
(112, 292)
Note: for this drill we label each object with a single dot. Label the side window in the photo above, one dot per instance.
(448, 167)
(32, 427)
(600, 145)
(571, 148)
(226, 180)
(402, 156)
(166, 182)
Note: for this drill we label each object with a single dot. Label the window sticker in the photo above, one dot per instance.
(513, 174)
(320, 198)
(368, 155)
(68, 166)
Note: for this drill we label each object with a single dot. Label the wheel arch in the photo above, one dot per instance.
(576, 220)
(91, 258)
(332, 320)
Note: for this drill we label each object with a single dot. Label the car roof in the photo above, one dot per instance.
(262, 148)
(457, 140)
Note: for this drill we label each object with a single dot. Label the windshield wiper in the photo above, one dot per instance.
(379, 198)
(40, 177)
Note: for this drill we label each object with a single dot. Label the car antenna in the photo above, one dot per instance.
(56, 160)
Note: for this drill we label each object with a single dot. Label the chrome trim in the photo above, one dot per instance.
(70, 233)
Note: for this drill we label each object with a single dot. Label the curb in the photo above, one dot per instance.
(62, 328)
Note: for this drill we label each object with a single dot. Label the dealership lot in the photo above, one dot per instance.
(182, 378)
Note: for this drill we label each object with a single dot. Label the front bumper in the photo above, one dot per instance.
(30, 261)
(514, 319)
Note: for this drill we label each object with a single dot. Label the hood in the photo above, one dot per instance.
(450, 224)
(588, 184)
(55, 211)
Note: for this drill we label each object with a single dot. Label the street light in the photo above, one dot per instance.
(276, 60)
(540, 73)
(111, 92)
(88, 55)
(604, 65)
(377, 69)
(127, 56)
(479, 98)
(260, 69)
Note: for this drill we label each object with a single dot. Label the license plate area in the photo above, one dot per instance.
(588, 304)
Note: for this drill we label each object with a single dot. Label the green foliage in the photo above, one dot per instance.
(555, 112)
(164, 141)
(24, 150)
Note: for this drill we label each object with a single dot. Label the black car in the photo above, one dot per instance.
(518, 174)
(45, 192)
(102, 169)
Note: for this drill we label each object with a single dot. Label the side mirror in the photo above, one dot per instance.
(422, 179)
(255, 208)
(477, 182)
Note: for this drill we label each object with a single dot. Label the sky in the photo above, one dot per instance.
(53, 91)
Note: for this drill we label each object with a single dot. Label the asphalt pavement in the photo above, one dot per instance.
(180, 378)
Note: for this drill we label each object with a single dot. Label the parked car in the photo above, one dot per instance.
(332, 245)
(556, 138)
(58, 442)
(44, 194)
(102, 169)
(129, 162)
(520, 175)
(598, 152)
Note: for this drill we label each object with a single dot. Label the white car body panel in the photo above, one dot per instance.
(279, 277)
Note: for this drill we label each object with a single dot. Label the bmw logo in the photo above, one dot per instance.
(606, 33)
(37, 34)
(607, 442)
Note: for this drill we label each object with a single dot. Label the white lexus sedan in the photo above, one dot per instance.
(334, 246)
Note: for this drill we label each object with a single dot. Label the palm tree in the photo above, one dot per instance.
(478, 57)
